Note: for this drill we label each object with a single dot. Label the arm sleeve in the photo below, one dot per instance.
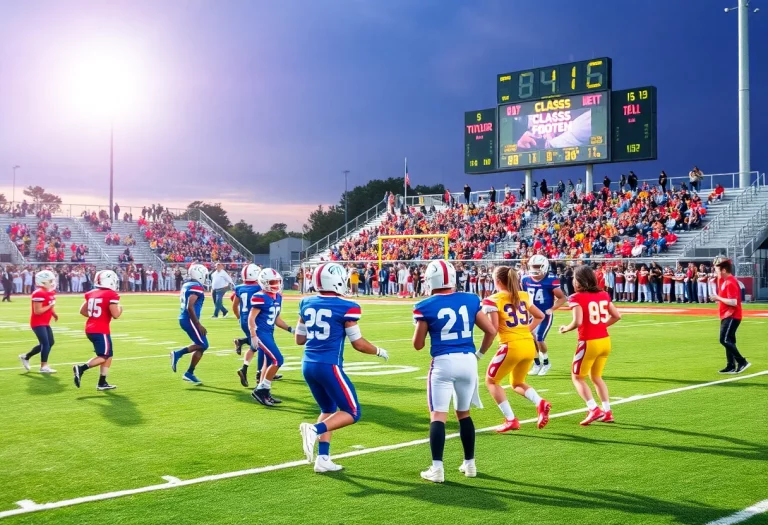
(353, 314)
(489, 306)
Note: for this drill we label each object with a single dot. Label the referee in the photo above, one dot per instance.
(728, 294)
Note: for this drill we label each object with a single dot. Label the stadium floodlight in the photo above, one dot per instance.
(13, 196)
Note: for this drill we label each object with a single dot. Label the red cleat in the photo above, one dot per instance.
(607, 417)
(509, 424)
(543, 410)
(592, 416)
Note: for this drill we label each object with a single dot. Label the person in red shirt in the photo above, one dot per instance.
(102, 304)
(593, 313)
(729, 296)
(43, 301)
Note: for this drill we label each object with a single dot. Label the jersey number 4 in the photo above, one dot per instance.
(445, 333)
(317, 324)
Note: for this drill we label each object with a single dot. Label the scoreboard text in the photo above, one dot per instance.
(554, 81)
(480, 141)
(633, 124)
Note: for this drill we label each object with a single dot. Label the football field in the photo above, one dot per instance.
(689, 446)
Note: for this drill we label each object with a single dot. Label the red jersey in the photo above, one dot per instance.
(600, 276)
(729, 288)
(642, 277)
(595, 316)
(42, 297)
(666, 278)
(99, 317)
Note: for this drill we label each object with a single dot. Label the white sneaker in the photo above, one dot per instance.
(324, 464)
(24, 361)
(535, 370)
(47, 370)
(544, 369)
(435, 475)
(468, 469)
(308, 438)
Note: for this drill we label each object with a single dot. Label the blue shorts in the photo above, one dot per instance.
(268, 349)
(193, 333)
(331, 388)
(543, 329)
(102, 344)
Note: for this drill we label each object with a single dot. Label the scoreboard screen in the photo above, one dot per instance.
(633, 124)
(480, 141)
(554, 132)
(554, 81)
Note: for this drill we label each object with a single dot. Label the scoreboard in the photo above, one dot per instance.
(560, 115)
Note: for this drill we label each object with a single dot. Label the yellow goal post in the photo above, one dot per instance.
(443, 236)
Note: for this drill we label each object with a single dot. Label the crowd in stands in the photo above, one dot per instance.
(196, 243)
(50, 242)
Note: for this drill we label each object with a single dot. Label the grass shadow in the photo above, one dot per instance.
(116, 409)
(43, 384)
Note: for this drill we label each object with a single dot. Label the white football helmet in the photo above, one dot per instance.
(198, 272)
(440, 274)
(538, 266)
(46, 279)
(106, 279)
(330, 277)
(270, 281)
(250, 273)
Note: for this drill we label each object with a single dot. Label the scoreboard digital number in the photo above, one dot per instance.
(633, 123)
(480, 141)
(554, 81)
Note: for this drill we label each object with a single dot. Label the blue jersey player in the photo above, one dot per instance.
(192, 296)
(449, 318)
(544, 290)
(324, 321)
(241, 299)
(263, 316)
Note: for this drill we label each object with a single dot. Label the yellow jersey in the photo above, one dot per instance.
(513, 323)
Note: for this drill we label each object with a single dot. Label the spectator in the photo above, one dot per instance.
(663, 181)
(632, 181)
(220, 283)
(492, 196)
(606, 182)
(695, 176)
(467, 192)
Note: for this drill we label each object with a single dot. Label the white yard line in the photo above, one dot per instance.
(743, 515)
(29, 506)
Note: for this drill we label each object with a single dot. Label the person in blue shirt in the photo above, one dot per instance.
(383, 281)
(263, 316)
(192, 296)
(449, 318)
(241, 300)
(325, 320)
(546, 294)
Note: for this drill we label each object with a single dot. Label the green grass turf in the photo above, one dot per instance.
(688, 457)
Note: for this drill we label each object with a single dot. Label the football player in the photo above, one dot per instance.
(241, 300)
(43, 301)
(102, 304)
(544, 290)
(593, 313)
(325, 320)
(449, 318)
(514, 316)
(264, 315)
(192, 296)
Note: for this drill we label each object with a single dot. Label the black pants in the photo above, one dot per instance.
(7, 287)
(728, 327)
(45, 339)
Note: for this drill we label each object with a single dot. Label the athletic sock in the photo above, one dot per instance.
(506, 410)
(181, 352)
(324, 448)
(607, 406)
(467, 435)
(321, 428)
(83, 368)
(545, 357)
(265, 384)
(245, 368)
(537, 361)
(437, 441)
(533, 396)
(102, 380)
(591, 404)
(191, 370)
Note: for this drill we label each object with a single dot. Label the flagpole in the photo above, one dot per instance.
(405, 184)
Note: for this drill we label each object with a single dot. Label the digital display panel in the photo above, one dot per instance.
(553, 81)
(480, 141)
(633, 124)
(554, 132)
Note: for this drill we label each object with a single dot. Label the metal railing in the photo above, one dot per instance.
(744, 242)
(79, 224)
(348, 228)
(76, 210)
(16, 256)
(708, 182)
(200, 216)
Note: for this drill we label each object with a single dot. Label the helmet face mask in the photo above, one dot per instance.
(538, 266)
(46, 279)
(270, 281)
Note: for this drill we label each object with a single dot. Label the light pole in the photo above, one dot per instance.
(111, 166)
(744, 137)
(346, 216)
(13, 196)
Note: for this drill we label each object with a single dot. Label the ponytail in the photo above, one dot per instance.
(508, 276)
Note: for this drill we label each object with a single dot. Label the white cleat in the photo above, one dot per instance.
(544, 369)
(535, 370)
(324, 464)
(24, 361)
(308, 438)
(435, 475)
(47, 370)
(468, 469)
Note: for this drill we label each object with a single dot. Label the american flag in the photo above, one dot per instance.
(407, 178)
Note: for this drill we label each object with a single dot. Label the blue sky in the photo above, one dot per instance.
(262, 104)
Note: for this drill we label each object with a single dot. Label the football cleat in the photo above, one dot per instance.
(76, 372)
(275, 400)
(741, 368)
(24, 361)
(730, 369)
(468, 469)
(277, 377)
(243, 377)
(191, 378)
(47, 370)
(535, 370)
(308, 438)
(607, 417)
(261, 396)
(509, 424)
(174, 360)
(592, 416)
(105, 386)
(324, 464)
(238, 349)
(435, 475)
(543, 410)
(544, 369)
